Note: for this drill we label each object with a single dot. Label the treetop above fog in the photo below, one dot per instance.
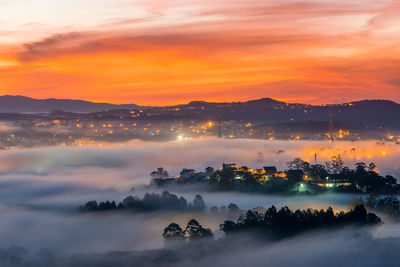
(284, 222)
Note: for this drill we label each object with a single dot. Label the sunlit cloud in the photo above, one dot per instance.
(169, 52)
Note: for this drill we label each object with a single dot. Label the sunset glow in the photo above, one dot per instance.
(170, 52)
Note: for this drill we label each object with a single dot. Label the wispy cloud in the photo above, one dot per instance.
(184, 50)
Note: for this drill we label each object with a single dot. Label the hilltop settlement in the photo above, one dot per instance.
(299, 177)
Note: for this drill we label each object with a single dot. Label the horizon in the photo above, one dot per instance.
(190, 101)
(172, 51)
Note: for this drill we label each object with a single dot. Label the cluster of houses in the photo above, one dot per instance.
(292, 179)
(265, 174)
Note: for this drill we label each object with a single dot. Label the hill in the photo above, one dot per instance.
(22, 104)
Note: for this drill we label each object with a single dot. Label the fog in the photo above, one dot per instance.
(125, 165)
(36, 214)
(4, 127)
(345, 247)
(41, 189)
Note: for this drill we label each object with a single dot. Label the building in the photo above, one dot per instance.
(228, 166)
(186, 173)
(270, 170)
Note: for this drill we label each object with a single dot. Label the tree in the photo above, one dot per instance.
(214, 210)
(233, 207)
(198, 203)
(173, 233)
(336, 164)
(317, 171)
(371, 167)
(195, 231)
(390, 179)
(89, 206)
(228, 227)
(284, 223)
(130, 201)
(298, 164)
(270, 217)
(361, 168)
(182, 203)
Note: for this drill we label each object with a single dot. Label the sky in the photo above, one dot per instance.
(173, 51)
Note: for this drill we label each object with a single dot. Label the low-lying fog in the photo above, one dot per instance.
(41, 188)
(123, 165)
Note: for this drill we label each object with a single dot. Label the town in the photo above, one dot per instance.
(299, 177)
(264, 119)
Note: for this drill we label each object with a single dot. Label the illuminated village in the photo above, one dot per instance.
(299, 177)
(79, 131)
(264, 119)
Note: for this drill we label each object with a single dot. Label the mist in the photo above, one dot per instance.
(125, 165)
(41, 189)
(349, 246)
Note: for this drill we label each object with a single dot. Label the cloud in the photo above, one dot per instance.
(178, 51)
(75, 44)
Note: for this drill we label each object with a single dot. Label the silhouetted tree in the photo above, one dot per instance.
(233, 207)
(195, 231)
(173, 233)
(284, 222)
(390, 180)
(198, 203)
(371, 167)
(336, 164)
(317, 171)
(89, 206)
(214, 210)
(150, 202)
(298, 164)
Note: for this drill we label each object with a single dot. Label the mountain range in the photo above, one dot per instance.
(370, 113)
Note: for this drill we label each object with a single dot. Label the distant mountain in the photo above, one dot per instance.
(373, 114)
(22, 104)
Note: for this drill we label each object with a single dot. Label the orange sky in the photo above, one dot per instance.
(173, 51)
